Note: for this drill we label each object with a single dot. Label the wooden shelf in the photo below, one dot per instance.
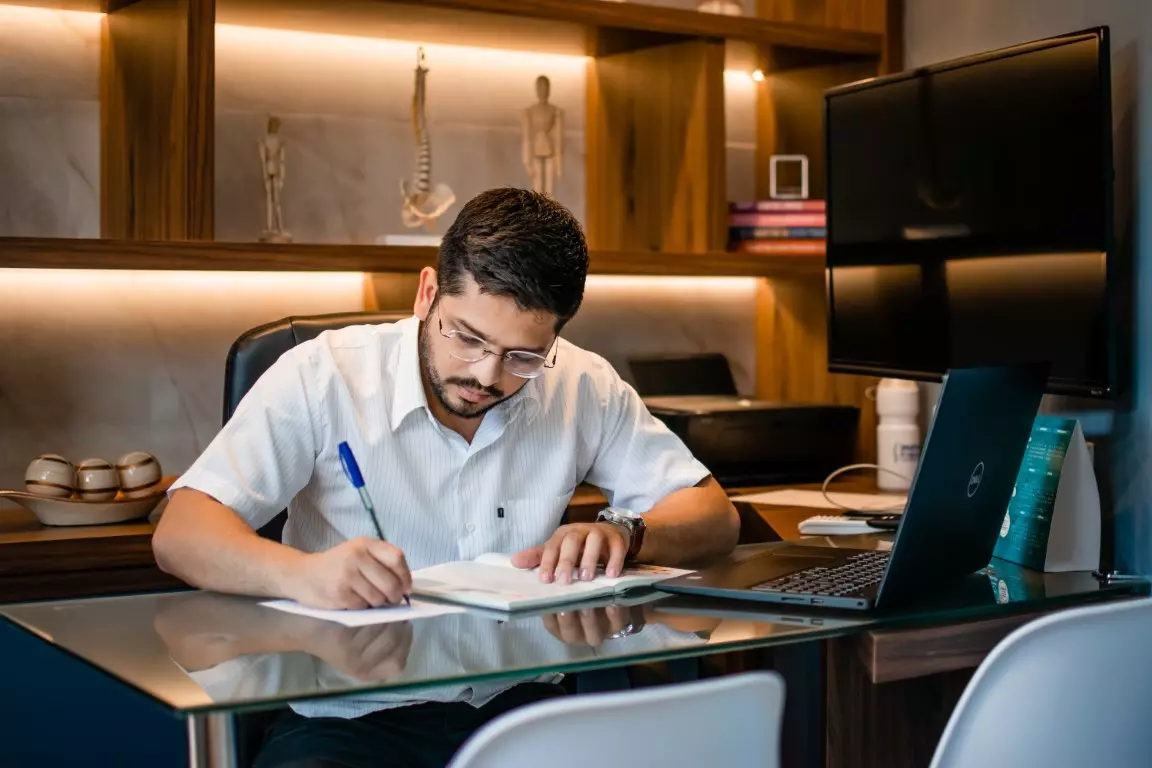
(559, 26)
(640, 16)
(78, 253)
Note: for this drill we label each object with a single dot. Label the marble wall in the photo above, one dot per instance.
(100, 363)
(50, 123)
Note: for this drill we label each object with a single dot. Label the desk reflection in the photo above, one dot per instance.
(237, 649)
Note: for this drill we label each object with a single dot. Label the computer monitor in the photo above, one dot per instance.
(970, 216)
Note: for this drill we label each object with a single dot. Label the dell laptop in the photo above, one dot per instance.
(955, 507)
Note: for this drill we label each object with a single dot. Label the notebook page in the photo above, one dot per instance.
(633, 576)
(482, 584)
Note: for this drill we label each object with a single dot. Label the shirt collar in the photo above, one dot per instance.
(408, 385)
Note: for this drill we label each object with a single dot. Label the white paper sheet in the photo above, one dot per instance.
(796, 498)
(418, 610)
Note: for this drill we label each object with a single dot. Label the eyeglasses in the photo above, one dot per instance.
(471, 349)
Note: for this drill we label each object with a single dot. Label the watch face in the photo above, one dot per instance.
(621, 512)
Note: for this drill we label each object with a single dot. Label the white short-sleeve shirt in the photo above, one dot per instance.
(438, 498)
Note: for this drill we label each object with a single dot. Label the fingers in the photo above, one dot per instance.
(392, 557)
(529, 558)
(579, 550)
(617, 616)
(590, 560)
(549, 555)
(618, 552)
(569, 555)
(590, 626)
(595, 624)
(369, 595)
(566, 626)
(382, 581)
(387, 654)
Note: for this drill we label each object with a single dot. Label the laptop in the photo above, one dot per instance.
(956, 505)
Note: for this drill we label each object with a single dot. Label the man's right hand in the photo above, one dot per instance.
(361, 573)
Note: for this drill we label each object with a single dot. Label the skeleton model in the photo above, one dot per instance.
(423, 203)
(272, 161)
(542, 148)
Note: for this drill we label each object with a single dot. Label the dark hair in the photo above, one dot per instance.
(520, 244)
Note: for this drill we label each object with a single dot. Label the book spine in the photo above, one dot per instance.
(737, 234)
(770, 206)
(788, 247)
(776, 220)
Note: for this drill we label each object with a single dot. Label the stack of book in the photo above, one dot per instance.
(784, 227)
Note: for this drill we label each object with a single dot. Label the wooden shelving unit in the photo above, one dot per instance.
(635, 16)
(655, 140)
(68, 253)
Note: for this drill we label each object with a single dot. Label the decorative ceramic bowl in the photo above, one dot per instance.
(77, 512)
(140, 474)
(50, 475)
(96, 480)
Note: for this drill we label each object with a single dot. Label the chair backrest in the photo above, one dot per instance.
(257, 348)
(1070, 689)
(731, 721)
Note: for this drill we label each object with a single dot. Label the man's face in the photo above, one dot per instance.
(470, 389)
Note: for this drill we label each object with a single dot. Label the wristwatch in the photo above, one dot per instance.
(632, 524)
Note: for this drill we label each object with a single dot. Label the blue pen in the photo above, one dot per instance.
(352, 470)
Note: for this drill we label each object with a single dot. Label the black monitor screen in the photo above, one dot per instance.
(970, 216)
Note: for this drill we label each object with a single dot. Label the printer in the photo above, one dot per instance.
(742, 440)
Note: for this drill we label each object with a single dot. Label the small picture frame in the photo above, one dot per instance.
(792, 189)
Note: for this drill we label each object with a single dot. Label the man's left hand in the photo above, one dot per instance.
(577, 549)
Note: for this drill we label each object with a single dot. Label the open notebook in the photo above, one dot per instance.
(491, 581)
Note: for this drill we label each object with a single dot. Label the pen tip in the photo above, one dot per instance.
(407, 601)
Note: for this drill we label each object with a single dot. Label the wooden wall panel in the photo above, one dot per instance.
(861, 15)
(655, 153)
(157, 120)
(885, 17)
(390, 291)
(792, 354)
(790, 108)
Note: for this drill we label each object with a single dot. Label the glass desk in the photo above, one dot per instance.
(205, 655)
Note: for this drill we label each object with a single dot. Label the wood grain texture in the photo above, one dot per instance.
(89, 582)
(861, 15)
(896, 725)
(80, 253)
(390, 291)
(29, 547)
(792, 362)
(157, 120)
(892, 56)
(655, 153)
(891, 655)
(650, 18)
(39, 562)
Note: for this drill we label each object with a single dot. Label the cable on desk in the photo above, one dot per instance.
(864, 512)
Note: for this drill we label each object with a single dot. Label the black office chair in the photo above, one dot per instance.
(257, 349)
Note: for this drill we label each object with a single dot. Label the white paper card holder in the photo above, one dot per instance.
(1053, 519)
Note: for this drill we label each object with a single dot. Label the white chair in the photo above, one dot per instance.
(733, 721)
(1069, 690)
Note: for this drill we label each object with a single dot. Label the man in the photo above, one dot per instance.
(472, 422)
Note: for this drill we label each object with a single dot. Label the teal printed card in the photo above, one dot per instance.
(1025, 532)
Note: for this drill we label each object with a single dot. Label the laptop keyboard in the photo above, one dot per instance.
(854, 574)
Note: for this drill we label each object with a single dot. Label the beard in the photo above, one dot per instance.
(462, 409)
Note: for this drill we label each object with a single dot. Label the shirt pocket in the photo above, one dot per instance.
(527, 522)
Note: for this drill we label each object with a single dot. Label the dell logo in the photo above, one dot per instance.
(976, 478)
